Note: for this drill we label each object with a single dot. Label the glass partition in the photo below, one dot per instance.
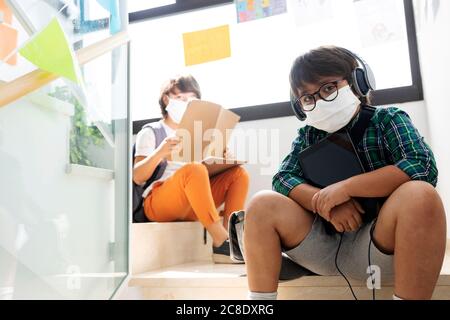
(64, 151)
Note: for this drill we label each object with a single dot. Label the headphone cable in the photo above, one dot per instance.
(370, 264)
(339, 270)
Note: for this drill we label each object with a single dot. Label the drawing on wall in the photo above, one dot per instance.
(248, 10)
(378, 22)
(5, 13)
(206, 45)
(8, 45)
(311, 11)
(8, 36)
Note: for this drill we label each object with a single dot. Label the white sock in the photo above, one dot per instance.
(394, 297)
(262, 295)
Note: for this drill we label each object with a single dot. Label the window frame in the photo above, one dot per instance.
(411, 93)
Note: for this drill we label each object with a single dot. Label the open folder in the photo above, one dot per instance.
(204, 131)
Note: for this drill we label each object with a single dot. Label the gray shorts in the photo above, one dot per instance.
(317, 253)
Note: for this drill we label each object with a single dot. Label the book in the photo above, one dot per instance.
(216, 165)
(204, 131)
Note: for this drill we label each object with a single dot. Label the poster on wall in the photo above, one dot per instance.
(248, 10)
(8, 36)
(206, 45)
(378, 21)
(311, 11)
(8, 45)
(5, 13)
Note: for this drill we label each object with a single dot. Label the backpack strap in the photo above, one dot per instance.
(365, 115)
(160, 135)
(138, 201)
(370, 205)
(158, 129)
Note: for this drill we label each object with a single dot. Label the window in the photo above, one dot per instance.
(139, 5)
(254, 80)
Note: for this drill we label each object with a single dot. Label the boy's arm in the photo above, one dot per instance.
(290, 182)
(145, 166)
(378, 183)
(303, 194)
(290, 174)
(382, 182)
(289, 179)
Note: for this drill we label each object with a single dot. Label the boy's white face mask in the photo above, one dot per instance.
(334, 115)
(176, 109)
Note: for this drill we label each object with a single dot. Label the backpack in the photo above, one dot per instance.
(138, 190)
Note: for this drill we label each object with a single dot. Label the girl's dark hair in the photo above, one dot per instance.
(322, 62)
(186, 83)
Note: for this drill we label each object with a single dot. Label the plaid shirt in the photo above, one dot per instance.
(390, 139)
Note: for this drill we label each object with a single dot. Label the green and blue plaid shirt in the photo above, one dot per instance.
(390, 139)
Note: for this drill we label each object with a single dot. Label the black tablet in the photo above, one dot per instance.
(331, 160)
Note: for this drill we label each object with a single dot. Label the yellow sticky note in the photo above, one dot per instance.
(5, 12)
(207, 45)
(8, 43)
(50, 50)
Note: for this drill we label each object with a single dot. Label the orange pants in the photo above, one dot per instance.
(190, 195)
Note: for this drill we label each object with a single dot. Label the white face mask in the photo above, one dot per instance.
(333, 116)
(176, 109)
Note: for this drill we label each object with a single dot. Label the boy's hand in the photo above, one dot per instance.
(168, 145)
(347, 216)
(328, 198)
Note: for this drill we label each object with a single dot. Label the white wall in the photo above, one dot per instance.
(434, 49)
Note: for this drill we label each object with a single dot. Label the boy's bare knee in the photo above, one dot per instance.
(261, 206)
(420, 205)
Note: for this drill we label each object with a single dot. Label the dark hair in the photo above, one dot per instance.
(186, 83)
(321, 62)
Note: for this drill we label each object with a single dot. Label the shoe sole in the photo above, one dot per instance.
(221, 259)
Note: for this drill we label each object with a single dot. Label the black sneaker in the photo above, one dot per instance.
(222, 254)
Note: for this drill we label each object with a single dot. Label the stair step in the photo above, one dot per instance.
(158, 245)
(206, 280)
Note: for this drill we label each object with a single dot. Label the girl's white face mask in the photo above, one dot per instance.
(176, 109)
(334, 115)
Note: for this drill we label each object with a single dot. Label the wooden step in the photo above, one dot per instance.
(205, 280)
(158, 245)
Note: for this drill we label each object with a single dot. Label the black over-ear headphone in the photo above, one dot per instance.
(363, 81)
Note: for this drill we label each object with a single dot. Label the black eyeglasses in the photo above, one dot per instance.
(328, 92)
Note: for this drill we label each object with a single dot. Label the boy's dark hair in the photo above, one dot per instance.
(186, 83)
(321, 62)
